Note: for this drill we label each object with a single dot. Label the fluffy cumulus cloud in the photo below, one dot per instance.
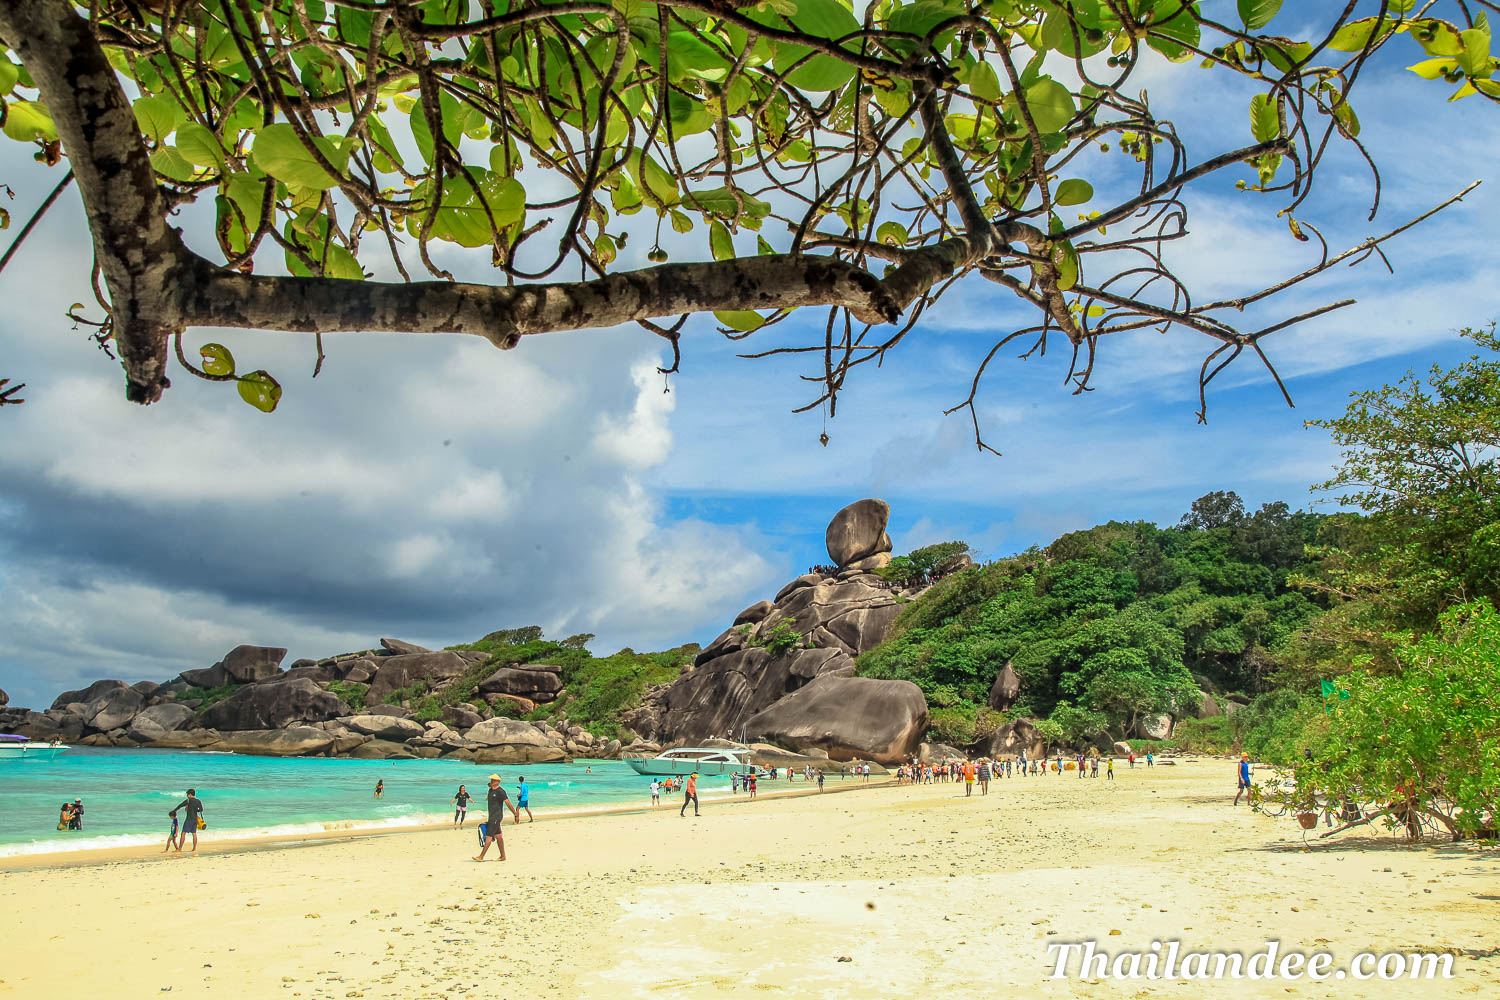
(431, 490)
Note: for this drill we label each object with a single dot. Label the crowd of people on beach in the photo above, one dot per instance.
(982, 771)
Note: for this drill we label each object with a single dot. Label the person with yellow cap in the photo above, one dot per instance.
(498, 801)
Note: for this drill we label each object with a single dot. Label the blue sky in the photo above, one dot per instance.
(434, 489)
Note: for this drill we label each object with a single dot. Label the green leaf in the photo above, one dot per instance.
(158, 117)
(1050, 104)
(654, 180)
(1475, 58)
(1431, 69)
(719, 241)
(260, 390)
(170, 164)
(983, 82)
(605, 250)
(821, 18)
(1265, 119)
(1073, 192)
(28, 121)
(1173, 30)
(762, 247)
(199, 146)
(892, 233)
(9, 74)
(720, 202)
(742, 320)
(1355, 35)
(462, 218)
(1284, 54)
(1256, 14)
(1065, 259)
(681, 221)
(690, 55)
(279, 152)
(1437, 38)
(216, 359)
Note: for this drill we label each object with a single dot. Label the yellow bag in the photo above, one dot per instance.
(201, 824)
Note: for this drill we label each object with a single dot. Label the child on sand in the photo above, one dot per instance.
(461, 806)
(171, 837)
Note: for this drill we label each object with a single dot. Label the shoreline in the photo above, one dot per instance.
(257, 841)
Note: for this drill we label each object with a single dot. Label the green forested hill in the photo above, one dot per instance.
(1110, 624)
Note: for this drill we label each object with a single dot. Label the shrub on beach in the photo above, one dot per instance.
(1414, 747)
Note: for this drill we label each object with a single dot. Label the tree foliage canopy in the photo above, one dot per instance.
(860, 159)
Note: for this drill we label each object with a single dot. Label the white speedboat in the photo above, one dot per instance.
(708, 761)
(25, 748)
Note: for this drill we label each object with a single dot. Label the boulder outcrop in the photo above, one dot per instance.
(4, 698)
(294, 741)
(1208, 708)
(510, 741)
(384, 727)
(157, 721)
(397, 646)
(273, 706)
(534, 681)
(87, 694)
(1005, 690)
(403, 670)
(1011, 739)
(858, 531)
(208, 677)
(847, 717)
(247, 664)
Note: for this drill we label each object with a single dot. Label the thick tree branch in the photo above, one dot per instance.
(141, 257)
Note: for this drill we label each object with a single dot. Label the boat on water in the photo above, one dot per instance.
(707, 761)
(25, 748)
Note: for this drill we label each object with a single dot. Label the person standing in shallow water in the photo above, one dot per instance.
(497, 801)
(194, 810)
(380, 788)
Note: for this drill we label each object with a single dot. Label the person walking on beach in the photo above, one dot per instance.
(1244, 779)
(968, 776)
(690, 794)
(497, 801)
(1149, 758)
(173, 836)
(752, 784)
(655, 792)
(1110, 774)
(380, 788)
(984, 777)
(820, 779)
(523, 801)
(192, 821)
(461, 806)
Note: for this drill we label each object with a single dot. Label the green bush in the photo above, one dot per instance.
(209, 696)
(352, 692)
(416, 689)
(953, 725)
(427, 709)
(1215, 735)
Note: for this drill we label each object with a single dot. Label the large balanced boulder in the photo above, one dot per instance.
(296, 741)
(247, 664)
(391, 728)
(715, 699)
(858, 531)
(1005, 690)
(157, 721)
(847, 717)
(405, 669)
(273, 706)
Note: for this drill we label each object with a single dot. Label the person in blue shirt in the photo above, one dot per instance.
(1244, 783)
(523, 800)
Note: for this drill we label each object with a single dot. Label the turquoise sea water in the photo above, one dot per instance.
(127, 793)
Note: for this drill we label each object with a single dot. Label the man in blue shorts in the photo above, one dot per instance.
(1244, 782)
(523, 800)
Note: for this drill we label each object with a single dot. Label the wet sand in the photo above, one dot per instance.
(923, 891)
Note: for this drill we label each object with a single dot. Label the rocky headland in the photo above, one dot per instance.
(781, 676)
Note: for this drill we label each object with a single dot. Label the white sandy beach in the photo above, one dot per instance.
(924, 892)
